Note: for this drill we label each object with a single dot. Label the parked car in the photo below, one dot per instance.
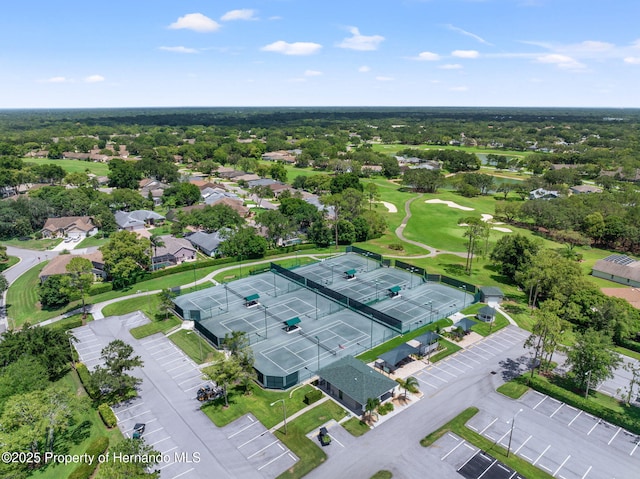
(324, 437)
(138, 430)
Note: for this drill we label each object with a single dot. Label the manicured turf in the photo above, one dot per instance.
(513, 390)
(73, 166)
(194, 346)
(34, 244)
(457, 426)
(154, 327)
(13, 260)
(382, 475)
(258, 403)
(394, 148)
(356, 427)
(90, 241)
(310, 455)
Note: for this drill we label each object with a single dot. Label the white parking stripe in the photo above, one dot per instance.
(272, 460)
(183, 473)
(241, 430)
(561, 465)
(570, 423)
(614, 436)
(541, 454)
(588, 470)
(437, 377)
(559, 407)
(456, 447)
(541, 401)
(594, 426)
(260, 450)
(488, 426)
(522, 445)
(161, 440)
(490, 466)
(634, 449)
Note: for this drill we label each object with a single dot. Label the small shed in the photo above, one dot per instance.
(491, 294)
(428, 342)
(392, 360)
(486, 314)
(350, 274)
(466, 324)
(394, 291)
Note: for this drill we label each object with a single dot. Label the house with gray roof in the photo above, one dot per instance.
(173, 251)
(138, 219)
(619, 269)
(491, 294)
(206, 242)
(542, 194)
(352, 383)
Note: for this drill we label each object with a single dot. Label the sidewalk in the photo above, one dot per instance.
(299, 413)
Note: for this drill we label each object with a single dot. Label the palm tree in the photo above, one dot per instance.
(156, 242)
(372, 405)
(411, 384)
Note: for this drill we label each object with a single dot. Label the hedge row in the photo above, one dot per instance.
(632, 345)
(108, 417)
(86, 470)
(85, 378)
(577, 401)
(100, 288)
(187, 267)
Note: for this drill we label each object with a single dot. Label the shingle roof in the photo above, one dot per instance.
(491, 291)
(83, 223)
(356, 379)
(398, 354)
(466, 324)
(631, 271)
(207, 241)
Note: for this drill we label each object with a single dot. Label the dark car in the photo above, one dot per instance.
(138, 429)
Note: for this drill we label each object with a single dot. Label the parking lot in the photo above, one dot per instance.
(562, 441)
(471, 462)
(443, 372)
(166, 403)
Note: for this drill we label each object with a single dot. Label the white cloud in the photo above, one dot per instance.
(196, 22)
(56, 80)
(632, 60)
(178, 49)
(94, 79)
(459, 88)
(595, 46)
(636, 44)
(561, 61)
(296, 48)
(242, 14)
(465, 53)
(364, 69)
(468, 34)
(451, 66)
(383, 78)
(427, 57)
(312, 73)
(361, 42)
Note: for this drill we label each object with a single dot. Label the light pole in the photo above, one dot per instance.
(464, 296)
(586, 394)
(318, 339)
(265, 320)
(284, 413)
(430, 303)
(377, 282)
(199, 343)
(513, 421)
(316, 304)
(73, 361)
(226, 296)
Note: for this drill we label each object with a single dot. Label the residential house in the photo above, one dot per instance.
(69, 227)
(246, 177)
(491, 295)
(206, 242)
(542, 194)
(285, 156)
(583, 189)
(139, 219)
(58, 265)
(154, 187)
(619, 269)
(173, 251)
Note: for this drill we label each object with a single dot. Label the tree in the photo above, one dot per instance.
(181, 194)
(409, 384)
(592, 359)
(371, 406)
(506, 188)
(545, 336)
(343, 181)
(320, 233)
(80, 279)
(123, 174)
(156, 242)
(226, 373)
(372, 192)
(166, 301)
(474, 230)
(126, 257)
(118, 359)
(631, 390)
(4, 284)
(346, 232)
(142, 458)
(423, 180)
(513, 253)
(243, 242)
(24, 375)
(278, 172)
(390, 167)
(278, 225)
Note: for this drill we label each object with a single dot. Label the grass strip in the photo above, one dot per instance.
(457, 426)
(513, 390)
(355, 427)
(194, 346)
(383, 474)
(310, 455)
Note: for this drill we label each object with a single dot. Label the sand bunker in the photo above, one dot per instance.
(503, 230)
(390, 206)
(450, 204)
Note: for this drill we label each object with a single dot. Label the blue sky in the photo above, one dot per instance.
(563, 53)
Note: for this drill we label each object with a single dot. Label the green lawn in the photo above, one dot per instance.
(394, 148)
(457, 426)
(449, 348)
(310, 454)
(356, 427)
(374, 353)
(149, 305)
(513, 389)
(86, 428)
(482, 328)
(95, 240)
(154, 327)
(74, 166)
(194, 346)
(384, 474)
(35, 244)
(13, 260)
(257, 403)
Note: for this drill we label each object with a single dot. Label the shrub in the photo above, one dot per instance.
(85, 378)
(107, 415)
(100, 288)
(385, 408)
(86, 470)
(396, 247)
(312, 396)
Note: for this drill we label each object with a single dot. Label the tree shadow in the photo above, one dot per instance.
(511, 369)
(453, 269)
